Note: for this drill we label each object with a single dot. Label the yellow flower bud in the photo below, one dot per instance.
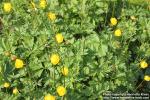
(118, 32)
(64, 71)
(43, 4)
(113, 21)
(19, 63)
(147, 78)
(143, 64)
(59, 37)
(55, 59)
(6, 85)
(7, 7)
(15, 91)
(51, 16)
(61, 90)
(49, 97)
(13, 57)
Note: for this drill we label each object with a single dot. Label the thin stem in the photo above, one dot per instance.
(54, 77)
(62, 98)
(139, 85)
(106, 16)
(64, 84)
(137, 70)
(113, 9)
(64, 81)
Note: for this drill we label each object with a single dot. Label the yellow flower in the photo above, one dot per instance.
(55, 59)
(43, 4)
(7, 7)
(113, 21)
(118, 32)
(51, 16)
(49, 97)
(59, 37)
(19, 63)
(15, 91)
(61, 90)
(147, 78)
(6, 85)
(143, 64)
(64, 71)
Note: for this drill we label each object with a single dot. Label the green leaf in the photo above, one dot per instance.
(38, 73)
(103, 49)
(28, 42)
(86, 70)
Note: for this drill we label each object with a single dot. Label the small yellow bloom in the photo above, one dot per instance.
(55, 59)
(143, 64)
(59, 37)
(113, 21)
(19, 63)
(51, 16)
(15, 91)
(147, 78)
(118, 32)
(49, 97)
(7, 7)
(43, 4)
(6, 85)
(64, 71)
(61, 90)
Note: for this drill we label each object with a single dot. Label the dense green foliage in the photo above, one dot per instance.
(97, 60)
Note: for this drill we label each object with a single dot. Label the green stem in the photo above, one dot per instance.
(64, 86)
(54, 77)
(64, 81)
(106, 17)
(139, 85)
(62, 98)
(113, 9)
(137, 70)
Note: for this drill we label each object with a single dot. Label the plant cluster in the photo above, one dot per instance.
(73, 49)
